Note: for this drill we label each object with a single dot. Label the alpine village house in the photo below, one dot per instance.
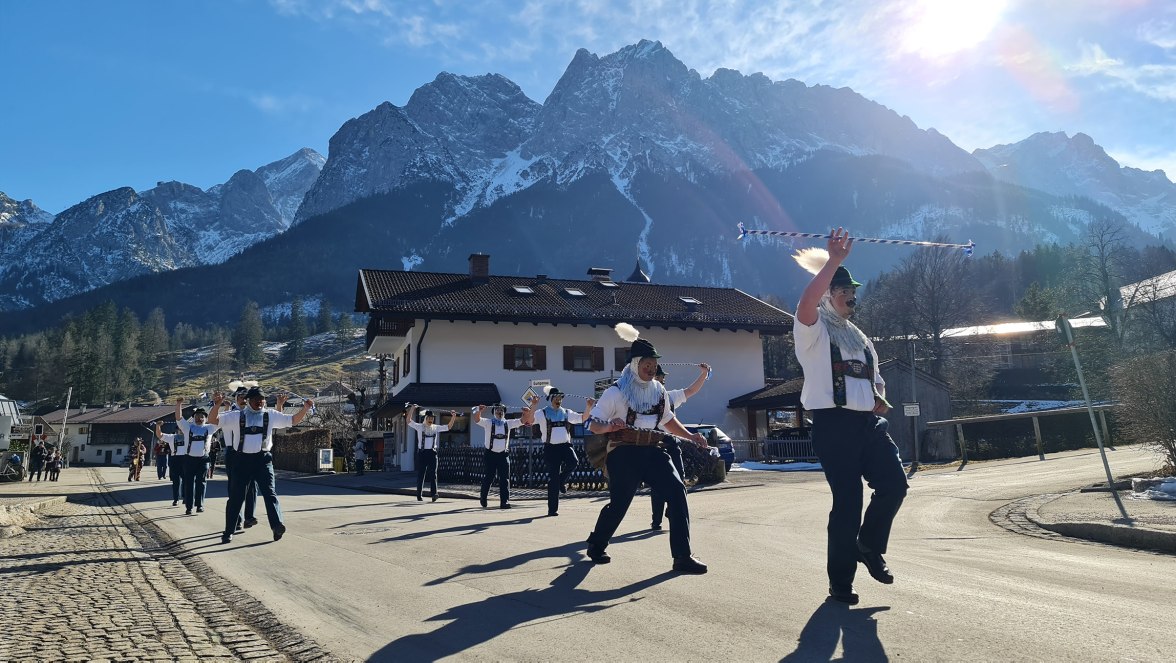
(455, 341)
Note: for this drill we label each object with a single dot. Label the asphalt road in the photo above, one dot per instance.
(385, 577)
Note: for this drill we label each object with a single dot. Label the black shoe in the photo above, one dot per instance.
(551, 514)
(563, 488)
(434, 498)
(278, 532)
(175, 502)
(655, 527)
(506, 505)
(199, 509)
(225, 538)
(420, 499)
(689, 565)
(187, 512)
(844, 595)
(875, 565)
(239, 529)
(250, 522)
(597, 555)
(484, 504)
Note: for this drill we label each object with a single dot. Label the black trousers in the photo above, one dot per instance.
(852, 446)
(561, 462)
(426, 466)
(670, 444)
(193, 480)
(177, 472)
(250, 490)
(497, 463)
(628, 467)
(255, 469)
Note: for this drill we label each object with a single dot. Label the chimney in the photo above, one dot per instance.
(479, 267)
(600, 273)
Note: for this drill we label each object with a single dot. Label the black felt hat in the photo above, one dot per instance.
(199, 410)
(641, 349)
(660, 372)
(553, 392)
(843, 279)
(255, 392)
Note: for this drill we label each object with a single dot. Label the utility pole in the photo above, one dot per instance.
(915, 418)
(64, 419)
(1067, 332)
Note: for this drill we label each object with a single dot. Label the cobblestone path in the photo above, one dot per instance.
(94, 581)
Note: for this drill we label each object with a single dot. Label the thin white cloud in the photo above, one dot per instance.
(1159, 32)
(1156, 81)
(281, 104)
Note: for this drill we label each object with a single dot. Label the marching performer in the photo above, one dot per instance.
(252, 459)
(427, 445)
(194, 463)
(177, 449)
(846, 395)
(675, 398)
(638, 401)
(555, 429)
(497, 454)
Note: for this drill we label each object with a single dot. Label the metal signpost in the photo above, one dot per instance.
(1067, 333)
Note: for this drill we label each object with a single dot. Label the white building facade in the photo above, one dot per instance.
(493, 336)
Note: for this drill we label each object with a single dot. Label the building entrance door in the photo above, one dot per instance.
(108, 452)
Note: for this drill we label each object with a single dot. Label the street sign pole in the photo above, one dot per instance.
(1067, 331)
(915, 418)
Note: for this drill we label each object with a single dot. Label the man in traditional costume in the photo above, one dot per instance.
(427, 445)
(628, 413)
(846, 395)
(555, 429)
(675, 398)
(497, 455)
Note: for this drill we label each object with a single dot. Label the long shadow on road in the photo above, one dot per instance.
(834, 622)
(479, 622)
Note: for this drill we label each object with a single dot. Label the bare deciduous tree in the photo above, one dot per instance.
(1146, 389)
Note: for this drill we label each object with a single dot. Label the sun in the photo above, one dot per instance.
(943, 27)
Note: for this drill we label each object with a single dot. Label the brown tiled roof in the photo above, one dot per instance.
(76, 416)
(440, 395)
(137, 414)
(431, 295)
(784, 394)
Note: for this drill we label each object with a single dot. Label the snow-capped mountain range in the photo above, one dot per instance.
(1065, 166)
(632, 155)
(123, 233)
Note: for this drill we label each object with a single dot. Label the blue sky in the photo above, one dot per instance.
(99, 95)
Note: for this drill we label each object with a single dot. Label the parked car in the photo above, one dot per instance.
(715, 437)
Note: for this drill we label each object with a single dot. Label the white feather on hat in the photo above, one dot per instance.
(812, 259)
(627, 332)
(547, 389)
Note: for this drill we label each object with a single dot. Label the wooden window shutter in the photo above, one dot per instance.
(598, 359)
(541, 357)
(620, 357)
(569, 357)
(508, 354)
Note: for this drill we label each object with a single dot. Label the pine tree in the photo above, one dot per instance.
(153, 342)
(247, 337)
(345, 331)
(296, 346)
(326, 319)
(1036, 305)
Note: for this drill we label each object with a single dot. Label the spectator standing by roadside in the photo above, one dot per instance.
(36, 461)
(360, 456)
